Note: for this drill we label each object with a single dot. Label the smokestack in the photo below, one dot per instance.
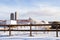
(15, 15)
(12, 16)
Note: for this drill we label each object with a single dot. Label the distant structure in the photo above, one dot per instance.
(15, 15)
(12, 16)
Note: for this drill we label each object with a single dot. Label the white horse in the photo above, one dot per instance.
(40, 22)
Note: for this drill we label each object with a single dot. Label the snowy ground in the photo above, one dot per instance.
(18, 35)
(25, 36)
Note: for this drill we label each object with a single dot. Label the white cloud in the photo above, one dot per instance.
(37, 9)
(45, 10)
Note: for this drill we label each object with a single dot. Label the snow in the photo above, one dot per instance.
(28, 38)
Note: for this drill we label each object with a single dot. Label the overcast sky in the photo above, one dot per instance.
(37, 9)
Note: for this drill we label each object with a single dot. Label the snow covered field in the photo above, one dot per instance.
(25, 36)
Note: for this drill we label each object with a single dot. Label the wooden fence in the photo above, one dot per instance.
(30, 25)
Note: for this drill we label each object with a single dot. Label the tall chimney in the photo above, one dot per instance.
(12, 16)
(15, 15)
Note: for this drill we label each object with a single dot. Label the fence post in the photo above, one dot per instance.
(9, 31)
(30, 30)
(4, 28)
(57, 30)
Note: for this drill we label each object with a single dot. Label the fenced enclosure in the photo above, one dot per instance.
(30, 30)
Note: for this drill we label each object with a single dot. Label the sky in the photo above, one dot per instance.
(37, 9)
